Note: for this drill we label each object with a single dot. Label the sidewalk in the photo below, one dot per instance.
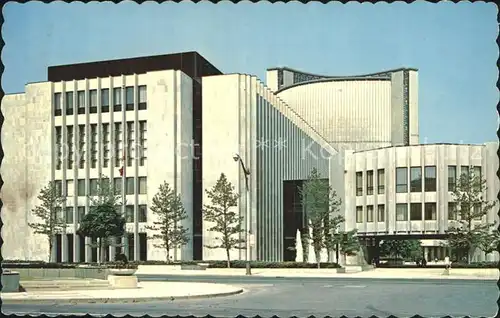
(147, 291)
(386, 273)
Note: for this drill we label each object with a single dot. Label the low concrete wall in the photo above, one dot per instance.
(80, 272)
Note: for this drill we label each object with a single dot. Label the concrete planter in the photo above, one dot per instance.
(122, 271)
(350, 269)
(194, 267)
(123, 281)
(10, 282)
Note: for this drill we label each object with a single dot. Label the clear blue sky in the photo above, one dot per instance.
(452, 45)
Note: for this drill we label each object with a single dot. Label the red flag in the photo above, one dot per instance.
(121, 172)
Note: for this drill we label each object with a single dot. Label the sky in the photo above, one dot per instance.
(452, 45)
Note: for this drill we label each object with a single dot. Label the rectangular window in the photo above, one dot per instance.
(359, 214)
(430, 211)
(478, 178)
(58, 148)
(117, 99)
(105, 100)
(118, 145)
(359, 183)
(452, 178)
(105, 145)
(58, 186)
(81, 146)
(81, 188)
(93, 145)
(416, 179)
(381, 213)
(59, 214)
(415, 211)
(381, 181)
(93, 101)
(430, 178)
(57, 104)
(69, 103)
(142, 185)
(142, 97)
(81, 102)
(464, 170)
(129, 96)
(142, 154)
(70, 142)
(452, 212)
(401, 180)
(143, 213)
(369, 182)
(118, 186)
(130, 186)
(80, 214)
(70, 188)
(69, 215)
(130, 143)
(129, 213)
(401, 212)
(369, 213)
(477, 212)
(93, 187)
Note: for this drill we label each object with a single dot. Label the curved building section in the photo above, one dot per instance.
(406, 191)
(354, 112)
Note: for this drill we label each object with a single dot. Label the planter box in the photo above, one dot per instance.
(10, 282)
(122, 271)
(197, 267)
(122, 281)
(350, 269)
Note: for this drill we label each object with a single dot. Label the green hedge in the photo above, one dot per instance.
(258, 264)
(453, 265)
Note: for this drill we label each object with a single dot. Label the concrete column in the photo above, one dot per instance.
(112, 250)
(53, 252)
(88, 250)
(136, 245)
(76, 249)
(64, 248)
(125, 245)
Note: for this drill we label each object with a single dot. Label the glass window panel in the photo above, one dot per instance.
(105, 97)
(401, 180)
(129, 94)
(415, 211)
(401, 212)
(416, 179)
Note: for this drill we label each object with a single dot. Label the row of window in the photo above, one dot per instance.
(69, 214)
(402, 214)
(92, 189)
(414, 174)
(369, 182)
(88, 101)
(111, 149)
(464, 170)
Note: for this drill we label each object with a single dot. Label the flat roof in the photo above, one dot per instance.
(191, 63)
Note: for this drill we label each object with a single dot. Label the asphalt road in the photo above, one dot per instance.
(287, 297)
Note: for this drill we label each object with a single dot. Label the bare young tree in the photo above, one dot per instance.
(167, 206)
(50, 214)
(225, 222)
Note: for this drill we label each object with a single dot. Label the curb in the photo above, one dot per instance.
(114, 300)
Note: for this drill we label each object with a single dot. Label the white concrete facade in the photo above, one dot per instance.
(41, 146)
(275, 144)
(363, 205)
(351, 111)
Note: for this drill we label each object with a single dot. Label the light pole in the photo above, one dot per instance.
(237, 157)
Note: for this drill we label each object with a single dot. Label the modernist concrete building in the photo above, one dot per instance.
(91, 119)
(177, 118)
(354, 112)
(405, 191)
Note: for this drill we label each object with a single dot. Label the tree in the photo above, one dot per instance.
(167, 205)
(349, 243)
(407, 249)
(225, 221)
(49, 211)
(321, 203)
(104, 220)
(467, 231)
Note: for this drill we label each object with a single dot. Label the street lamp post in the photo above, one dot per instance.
(237, 157)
